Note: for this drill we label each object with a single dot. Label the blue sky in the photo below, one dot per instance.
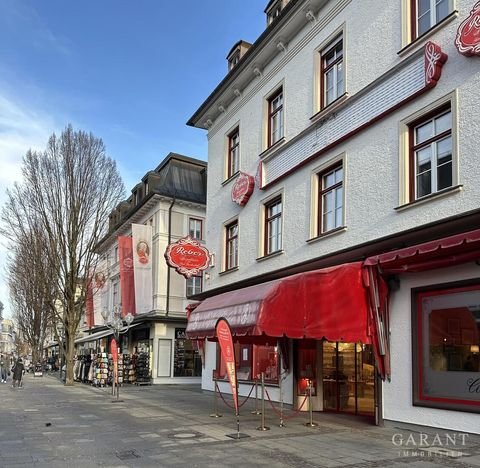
(132, 73)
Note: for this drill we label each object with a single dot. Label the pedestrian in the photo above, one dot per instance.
(18, 370)
(3, 371)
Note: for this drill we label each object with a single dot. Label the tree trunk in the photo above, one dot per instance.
(69, 355)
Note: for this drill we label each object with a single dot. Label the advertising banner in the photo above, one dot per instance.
(224, 336)
(127, 288)
(100, 292)
(187, 256)
(114, 353)
(142, 267)
(89, 316)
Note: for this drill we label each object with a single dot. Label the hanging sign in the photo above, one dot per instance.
(243, 189)
(224, 336)
(468, 34)
(187, 256)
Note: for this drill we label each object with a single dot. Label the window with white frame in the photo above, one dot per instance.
(275, 117)
(195, 228)
(231, 245)
(194, 285)
(332, 72)
(273, 226)
(233, 157)
(427, 13)
(431, 163)
(330, 199)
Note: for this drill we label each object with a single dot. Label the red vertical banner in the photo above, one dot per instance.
(224, 336)
(114, 353)
(89, 314)
(127, 286)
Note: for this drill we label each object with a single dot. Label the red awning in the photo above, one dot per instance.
(330, 303)
(440, 253)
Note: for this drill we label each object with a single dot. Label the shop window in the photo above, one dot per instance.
(186, 358)
(446, 347)
(330, 201)
(431, 165)
(251, 360)
(332, 72)
(195, 228)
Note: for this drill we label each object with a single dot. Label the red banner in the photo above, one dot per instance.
(127, 284)
(89, 316)
(225, 341)
(114, 352)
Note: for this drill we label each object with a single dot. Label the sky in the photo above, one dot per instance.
(130, 72)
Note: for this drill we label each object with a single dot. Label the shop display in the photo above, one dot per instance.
(101, 370)
(129, 375)
(142, 369)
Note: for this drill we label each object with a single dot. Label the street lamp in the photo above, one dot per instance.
(114, 321)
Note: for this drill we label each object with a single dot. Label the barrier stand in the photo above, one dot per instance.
(256, 411)
(263, 427)
(310, 406)
(281, 406)
(215, 413)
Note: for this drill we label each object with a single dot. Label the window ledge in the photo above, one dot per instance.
(332, 232)
(233, 177)
(273, 148)
(225, 272)
(273, 254)
(325, 112)
(444, 193)
(411, 45)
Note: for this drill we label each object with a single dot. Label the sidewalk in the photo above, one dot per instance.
(49, 425)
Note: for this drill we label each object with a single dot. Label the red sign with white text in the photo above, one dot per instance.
(187, 256)
(243, 189)
(114, 350)
(225, 341)
(468, 33)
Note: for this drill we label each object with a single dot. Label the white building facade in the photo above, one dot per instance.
(171, 200)
(359, 123)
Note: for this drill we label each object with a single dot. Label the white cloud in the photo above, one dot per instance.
(21, 128)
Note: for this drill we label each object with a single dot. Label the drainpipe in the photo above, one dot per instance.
(168, 266)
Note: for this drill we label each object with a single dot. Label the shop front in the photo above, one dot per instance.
(303, 332)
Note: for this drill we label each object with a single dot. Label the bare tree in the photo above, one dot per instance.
(69, 190)
(30, 290)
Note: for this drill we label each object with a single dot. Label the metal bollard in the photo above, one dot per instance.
(310, 406)
(215, 413)
(256, 410)
(263, 427)
(282, 424)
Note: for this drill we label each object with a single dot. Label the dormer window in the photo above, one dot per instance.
(234, 60)
(273, 10)
(237, 52)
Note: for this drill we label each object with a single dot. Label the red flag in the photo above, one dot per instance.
(114, 352)
(127, 286)
(225, 341)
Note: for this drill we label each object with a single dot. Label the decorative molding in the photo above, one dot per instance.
(311, 35)
(467, 41)
(310, 16)
(434, 61)
(281, 45)
(257, 71)
(237, 92)
(222, 109)
(414, 76)
(208, 123)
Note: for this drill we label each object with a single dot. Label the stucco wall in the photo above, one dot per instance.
(397, 394)
(373, 40)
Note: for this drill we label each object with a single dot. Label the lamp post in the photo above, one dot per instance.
(114, 321)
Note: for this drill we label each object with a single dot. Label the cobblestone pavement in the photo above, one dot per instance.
(48, 425)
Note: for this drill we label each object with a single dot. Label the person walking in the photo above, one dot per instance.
(18, 370)
(3, 371)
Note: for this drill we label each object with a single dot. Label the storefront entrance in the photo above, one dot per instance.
(342, 376)
(348, 378)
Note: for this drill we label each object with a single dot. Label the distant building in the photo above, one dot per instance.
(171, 199)
(7, 337)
